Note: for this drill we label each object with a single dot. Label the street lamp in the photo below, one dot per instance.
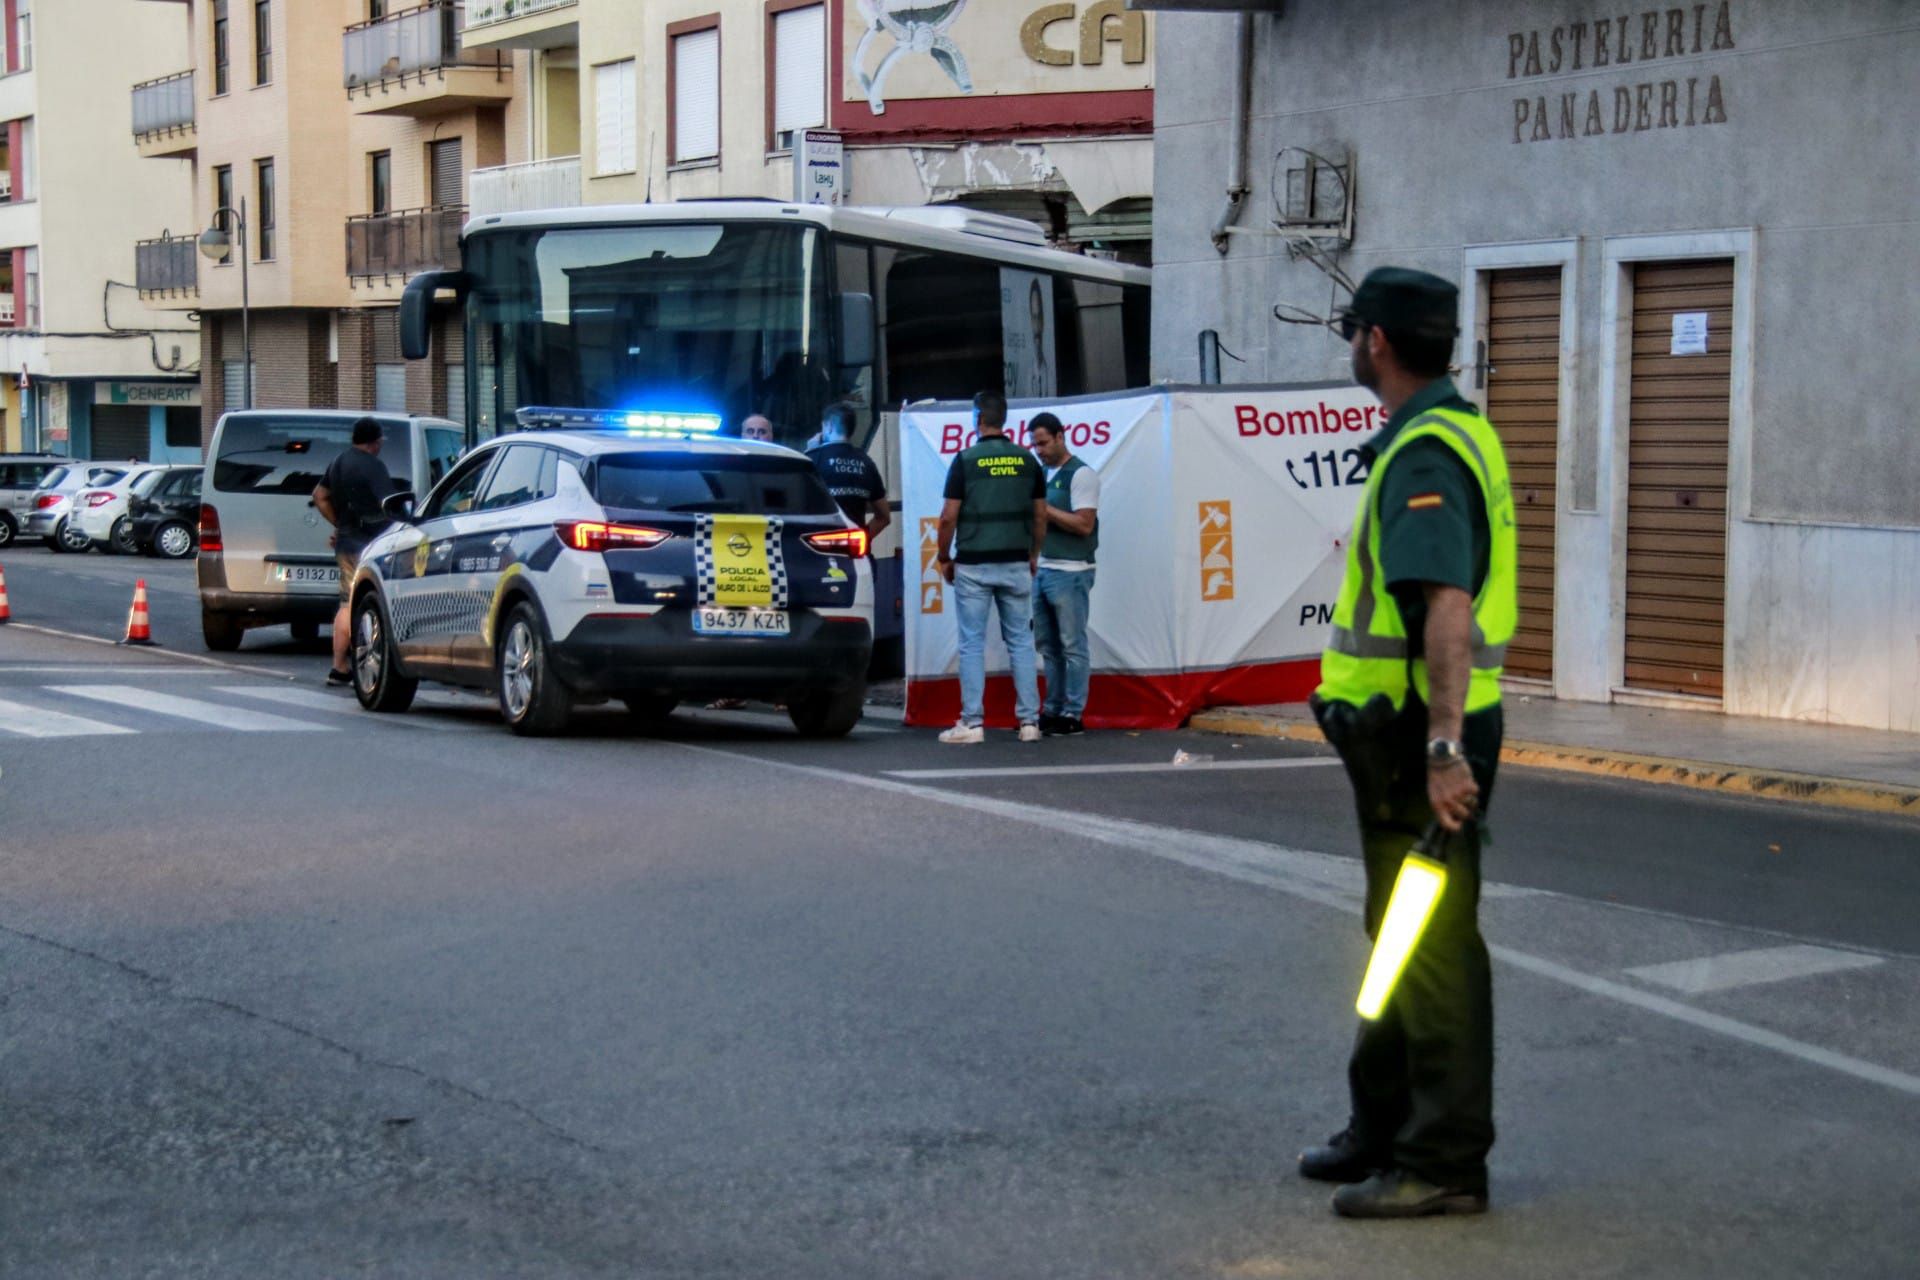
(217, 245)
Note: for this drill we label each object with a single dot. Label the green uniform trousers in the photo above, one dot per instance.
(1421, 1075)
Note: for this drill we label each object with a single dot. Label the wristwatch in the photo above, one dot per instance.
(1442, 752)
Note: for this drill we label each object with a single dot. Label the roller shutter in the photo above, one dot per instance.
(122, 431)
(1677, 480)
(1523, 402)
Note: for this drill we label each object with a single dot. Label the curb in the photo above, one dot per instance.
(1701, 775)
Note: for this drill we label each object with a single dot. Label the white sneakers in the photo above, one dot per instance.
(966, 735)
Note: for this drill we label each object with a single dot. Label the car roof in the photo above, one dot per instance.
(593, 443)
(348, 416)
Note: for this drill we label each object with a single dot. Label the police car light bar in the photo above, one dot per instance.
(649, 423)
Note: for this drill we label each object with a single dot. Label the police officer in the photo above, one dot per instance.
(849, 473)
(1410, 695)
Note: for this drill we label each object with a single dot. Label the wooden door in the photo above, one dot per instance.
(1523, 403)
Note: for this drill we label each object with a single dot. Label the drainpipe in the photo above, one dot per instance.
(1237, 162)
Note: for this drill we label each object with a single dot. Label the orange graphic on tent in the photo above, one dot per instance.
(933, 595)
(1216, 551)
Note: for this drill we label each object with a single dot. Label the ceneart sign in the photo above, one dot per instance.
(1634, 104)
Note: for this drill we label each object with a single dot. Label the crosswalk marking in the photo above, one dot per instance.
(168, 704)
(1750, 968)
(314, 700)
(34, 722)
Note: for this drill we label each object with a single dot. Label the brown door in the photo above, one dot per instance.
(1677, 477)
(1523, 402)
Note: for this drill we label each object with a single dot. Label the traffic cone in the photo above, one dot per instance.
(6, 614)
(139, 626)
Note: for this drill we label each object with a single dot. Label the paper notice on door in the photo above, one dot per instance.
(1689, 333)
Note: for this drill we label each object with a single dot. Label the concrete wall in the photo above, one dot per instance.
(1799, 161)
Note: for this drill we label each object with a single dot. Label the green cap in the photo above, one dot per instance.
(1414, 303)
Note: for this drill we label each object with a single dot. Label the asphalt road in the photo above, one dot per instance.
(288, 989)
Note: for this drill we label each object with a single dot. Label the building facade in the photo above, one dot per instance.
(1683, 236)
(87, 368)
(1040, 110)
(333, 141)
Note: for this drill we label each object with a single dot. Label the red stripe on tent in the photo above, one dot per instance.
(1121, 701)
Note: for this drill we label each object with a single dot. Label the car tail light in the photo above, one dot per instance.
(99, 498)
(839, 542)
(46, 501)
(209, 529)
(597, 535)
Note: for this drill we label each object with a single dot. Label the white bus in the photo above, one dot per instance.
(743, 307)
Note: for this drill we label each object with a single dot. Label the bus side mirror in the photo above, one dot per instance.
(856, 330)
(416, 309)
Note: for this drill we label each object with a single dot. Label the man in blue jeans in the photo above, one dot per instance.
(1063, 589)
(991, 528)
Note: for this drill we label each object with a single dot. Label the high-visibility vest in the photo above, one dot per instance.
(996, 516)
(1367, 653)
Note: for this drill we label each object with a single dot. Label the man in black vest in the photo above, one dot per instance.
(1064, 588)
(996, 504)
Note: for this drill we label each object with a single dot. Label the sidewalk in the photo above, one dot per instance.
(1867, 770)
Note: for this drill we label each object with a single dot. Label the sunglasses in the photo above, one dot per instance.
(1349, 325)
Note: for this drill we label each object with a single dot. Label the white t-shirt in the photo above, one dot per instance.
(1083, 492)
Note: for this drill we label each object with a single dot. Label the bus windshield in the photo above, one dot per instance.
(713, 316)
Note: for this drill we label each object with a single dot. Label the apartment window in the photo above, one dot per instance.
(31, 257)
(9, 156)
(615, 98)
(693, 90)
(380, 179)
(445, 177)
(222, 49)
(223, 197)
(29, 164)
(376, 10)
(262, 41)
(797, 70)
(22, 35)
(263, 215)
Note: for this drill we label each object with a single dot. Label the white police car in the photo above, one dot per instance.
(597, 555)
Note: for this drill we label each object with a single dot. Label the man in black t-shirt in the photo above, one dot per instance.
(849, 473)
(349, 496)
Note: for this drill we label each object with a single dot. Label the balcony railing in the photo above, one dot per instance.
(537, 184)
(396, 244)
(481, 13)
(163, 105)
(170, 264)
(409, 43)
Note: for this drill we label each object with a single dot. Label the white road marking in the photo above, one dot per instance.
(1057, 771)
(98, 669)
(1750, 968)
(886, 711)
(155, 652)
(341, 704)
(35, 722)
(167, 704)
(1320, 877)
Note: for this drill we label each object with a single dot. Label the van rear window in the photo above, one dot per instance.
(763, 485)
(289, 455)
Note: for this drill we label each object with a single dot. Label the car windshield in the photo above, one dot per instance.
(289, 455)
(725, 318)
(690, 482)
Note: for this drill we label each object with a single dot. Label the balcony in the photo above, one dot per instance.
(167, 269)
(411, 63)
(512, 188)
(522, 24)
(389, 246)
(163, 123)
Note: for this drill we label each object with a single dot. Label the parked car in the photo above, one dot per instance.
(265, 554)
(20, 476)
(162, 521)
(53, 503)
(101, 513)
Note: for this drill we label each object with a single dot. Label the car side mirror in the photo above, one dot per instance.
(856, 330)
(399, 506)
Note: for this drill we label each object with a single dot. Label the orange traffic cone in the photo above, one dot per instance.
(6, 614)
(139, 626)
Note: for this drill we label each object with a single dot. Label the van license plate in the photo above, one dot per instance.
(318, 574)
(740, 622)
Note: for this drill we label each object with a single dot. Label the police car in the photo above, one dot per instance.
(634, 556)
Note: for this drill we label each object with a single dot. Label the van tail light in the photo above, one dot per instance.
(209, 529)
(839, 542)
(99, 498)
(46, 501)
(597, 535)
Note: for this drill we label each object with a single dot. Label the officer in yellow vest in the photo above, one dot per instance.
(1410, 695)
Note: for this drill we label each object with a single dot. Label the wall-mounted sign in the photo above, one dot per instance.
(819, 168)
(164, 393)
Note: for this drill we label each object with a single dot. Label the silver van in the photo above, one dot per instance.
(265, 557)
(20, 475)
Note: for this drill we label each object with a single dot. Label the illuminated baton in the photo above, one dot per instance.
(1416, 892)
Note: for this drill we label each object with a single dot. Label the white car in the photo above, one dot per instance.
(622, 555)
(101, 513)
(49, 516)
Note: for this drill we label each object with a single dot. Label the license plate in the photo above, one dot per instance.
(318, 574)
(740, 622)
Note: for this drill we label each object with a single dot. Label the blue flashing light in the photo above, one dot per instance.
(645, 423)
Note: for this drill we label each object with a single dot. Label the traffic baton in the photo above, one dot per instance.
(1416, 892)
(139, 625)
(6, 613)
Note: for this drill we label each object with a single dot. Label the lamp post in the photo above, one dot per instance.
(217, 245)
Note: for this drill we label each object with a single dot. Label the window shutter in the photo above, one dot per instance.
(799, 71)
(232, 389)
(390, 388)
(615, 102)
(696, 95)
(447, 175)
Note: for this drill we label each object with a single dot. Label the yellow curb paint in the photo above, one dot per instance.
(1701, 775)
